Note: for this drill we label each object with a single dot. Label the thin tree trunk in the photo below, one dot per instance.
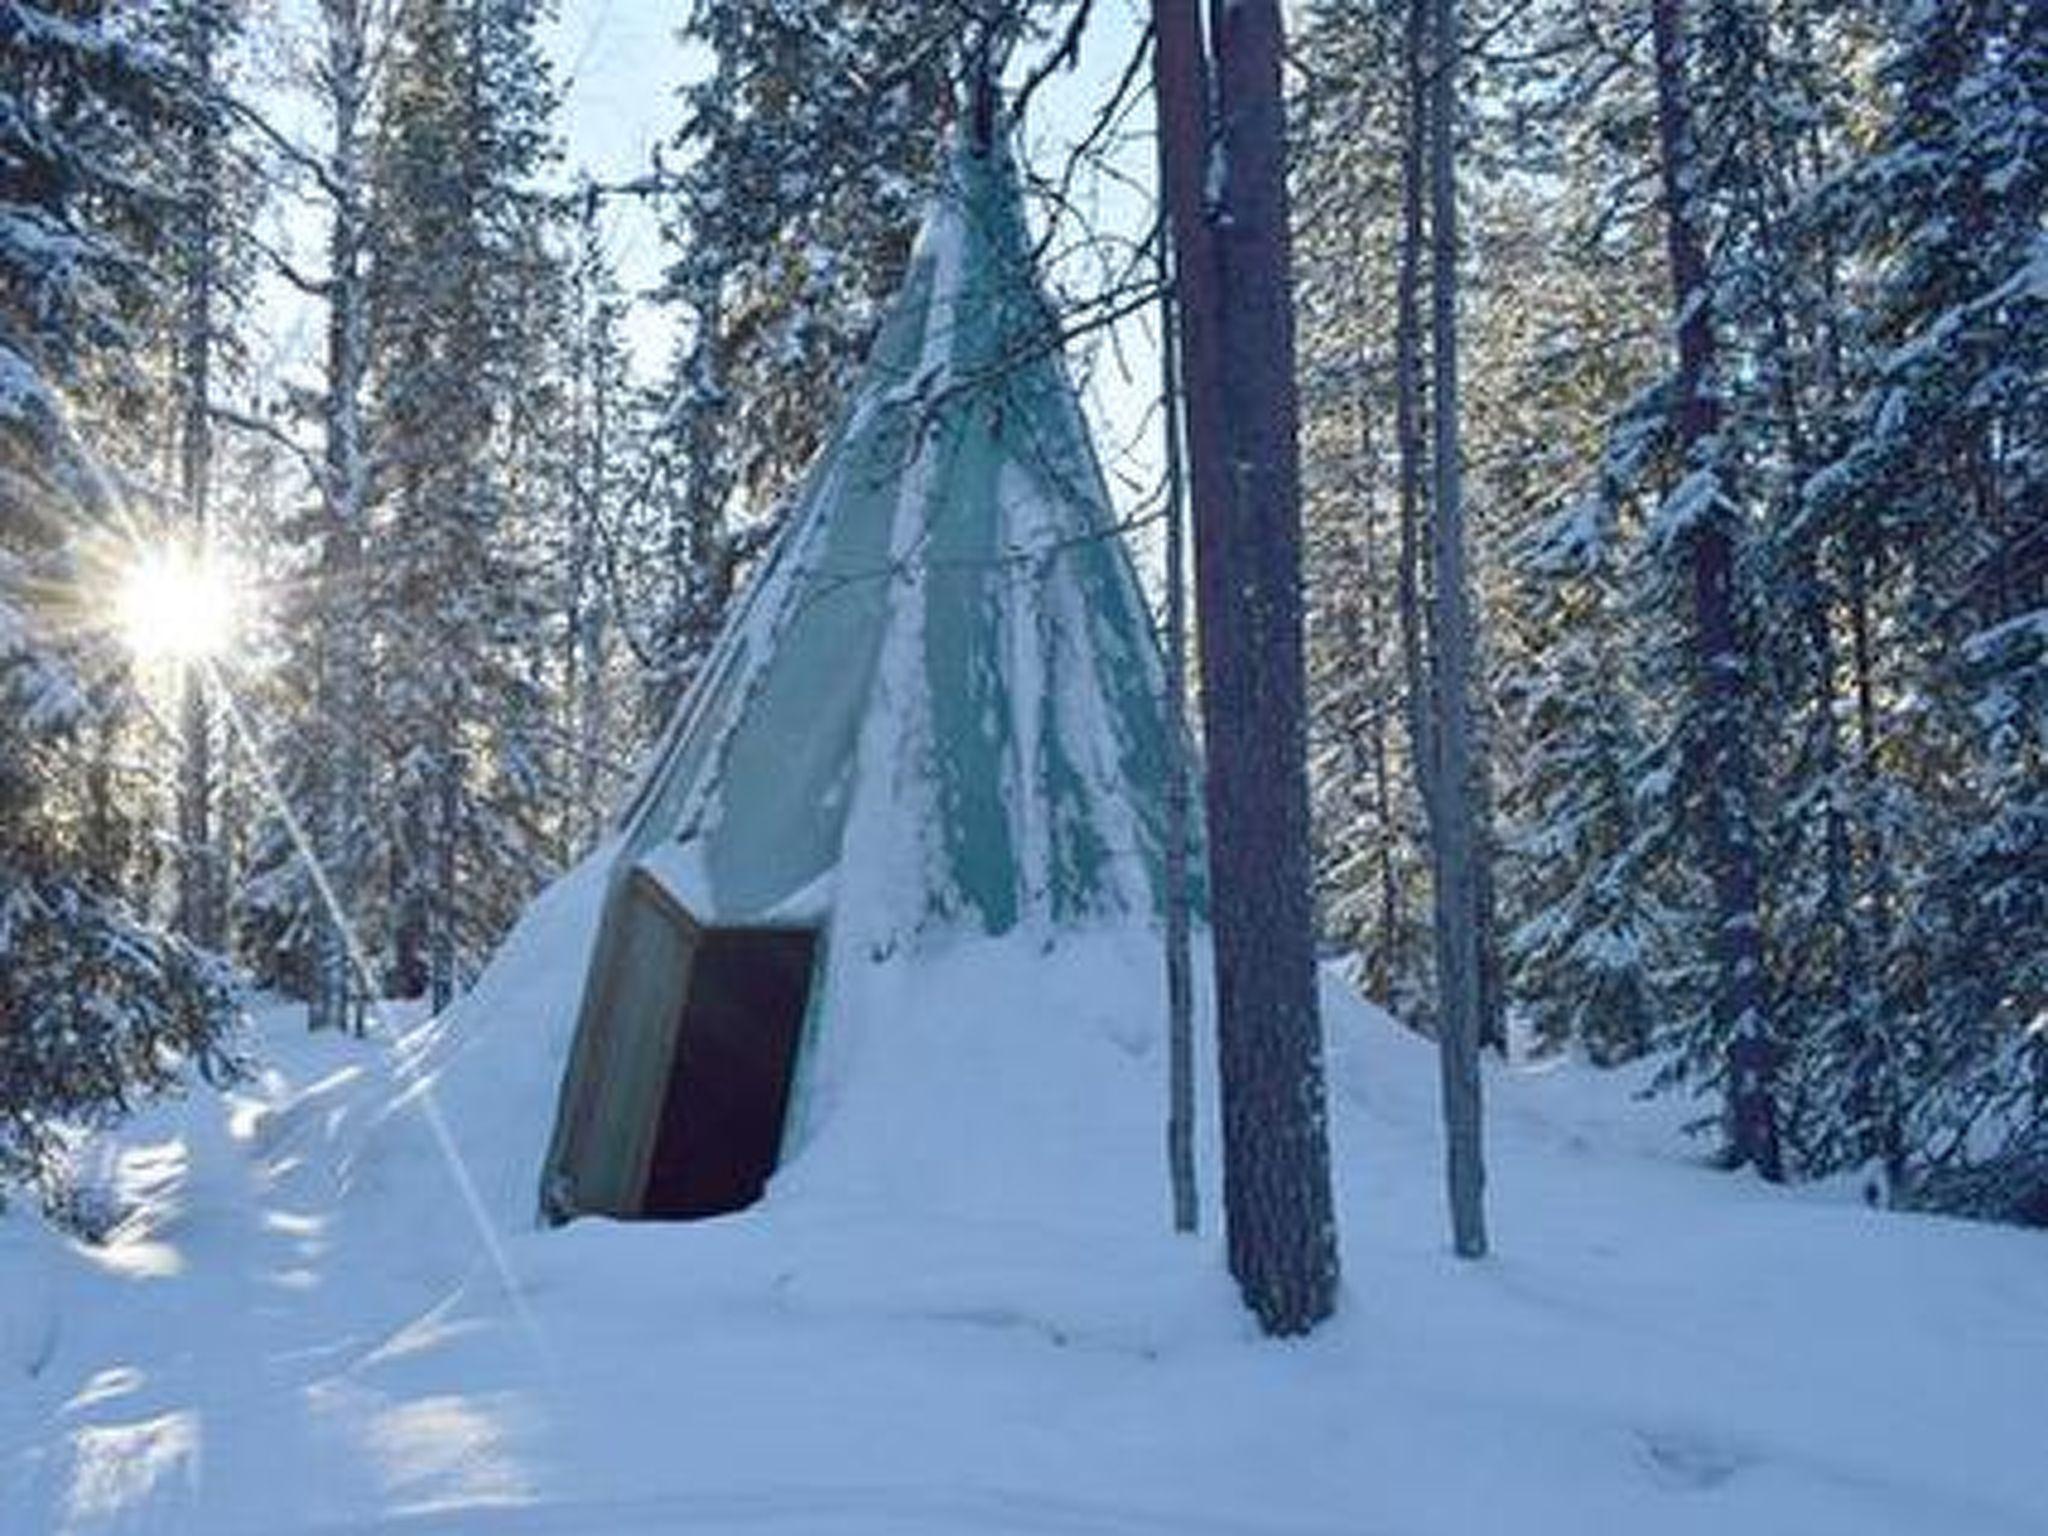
(105, 852)
(1245, 479)
(1409, 451)
(1455, 840)
(584, 668)
(446, 816)
(1180, 996)
(442, 890)
(1853, 984)
(198, 912)
(1750, 1112)
(1493, 998)
(1387, 953)
(1882, 1067)
(344, 655)
(1393, 942)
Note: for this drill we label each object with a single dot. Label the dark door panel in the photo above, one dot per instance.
(728, 1090)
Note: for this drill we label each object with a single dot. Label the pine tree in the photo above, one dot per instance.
(97, 1007)
(303, 906)
(812, 145)
(1371, 843)
(808, 151)
(462, 133)
(1244, 480)
(1932, 502)
(203, 269)
(599, 455)
(1589, 933)
(1696, 535)
(1844, 443)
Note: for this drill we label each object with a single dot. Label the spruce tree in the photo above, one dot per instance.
(97, 1005)
(462, 134)
(1933, 503)
(807, 152)
(300, 930)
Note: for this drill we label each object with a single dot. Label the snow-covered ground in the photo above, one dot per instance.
(957, 1310)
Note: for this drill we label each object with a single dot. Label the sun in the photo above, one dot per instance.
(179, 606)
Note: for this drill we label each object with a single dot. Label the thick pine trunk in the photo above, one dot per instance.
(1720, 662)
(1244, 475)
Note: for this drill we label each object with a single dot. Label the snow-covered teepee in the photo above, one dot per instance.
(937, 710)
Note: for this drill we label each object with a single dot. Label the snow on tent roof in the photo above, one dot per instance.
(938, 705)
(948, 624)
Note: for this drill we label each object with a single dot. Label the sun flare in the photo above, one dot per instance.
(179, 606)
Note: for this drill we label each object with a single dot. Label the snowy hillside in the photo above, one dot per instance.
(959, 1311)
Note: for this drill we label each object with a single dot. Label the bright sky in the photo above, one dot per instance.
(618, 65)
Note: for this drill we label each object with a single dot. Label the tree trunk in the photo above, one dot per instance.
(583, 670)
(336, 1002)
(443, 892)
(1180, 995)
(1238, 367)
(1493, 991)
(1455, 841)
(198, 912)
(1422, 746)
(1389, 954)
(1880, 1068)
(1721, 745)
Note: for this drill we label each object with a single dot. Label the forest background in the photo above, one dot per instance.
(491, 413)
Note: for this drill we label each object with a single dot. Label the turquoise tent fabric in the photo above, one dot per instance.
(939, 703)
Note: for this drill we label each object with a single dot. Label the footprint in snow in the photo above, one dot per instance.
(1685, 1460)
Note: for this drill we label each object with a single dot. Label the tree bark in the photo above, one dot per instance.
(1455, 841)
(1238, 368)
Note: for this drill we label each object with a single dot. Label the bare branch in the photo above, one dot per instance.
(283, 266)
(1106, 118)
(264, 427)
(1065, 56)
(293, 152)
